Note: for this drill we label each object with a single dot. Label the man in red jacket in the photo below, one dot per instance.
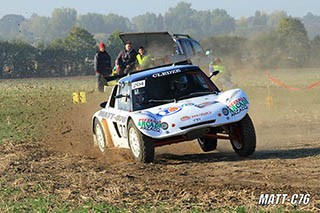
(102, 66)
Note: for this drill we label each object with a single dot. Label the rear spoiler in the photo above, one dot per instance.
(117, 77)
(181, 35)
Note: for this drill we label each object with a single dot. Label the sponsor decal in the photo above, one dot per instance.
(170, 72)
(187, 104)
(238, 106)
(225, 111)
(185, 118)
(233, 94)
(138, 84)
(206, 104)
(169, 111)
(197, 119)
(150, 114)
(201, 114)
(173, 110)
(164, 126)
(152, 125)
(112, 116)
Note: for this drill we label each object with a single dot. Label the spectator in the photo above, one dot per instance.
(102, 66)
(224, 76)
(126, 60)
(143, 59)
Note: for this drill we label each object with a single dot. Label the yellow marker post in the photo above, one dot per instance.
(75, 96)
(269, 101)
(269, 98)
(83, 98)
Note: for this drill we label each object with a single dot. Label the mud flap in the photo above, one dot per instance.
(108, 136)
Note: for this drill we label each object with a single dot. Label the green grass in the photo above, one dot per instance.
(25, 105)
(18, 200)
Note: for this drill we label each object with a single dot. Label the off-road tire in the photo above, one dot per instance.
(141, 146)
(207, 144)
(247, 135)
(99, 136)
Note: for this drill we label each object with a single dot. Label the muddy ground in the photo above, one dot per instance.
(182, 177)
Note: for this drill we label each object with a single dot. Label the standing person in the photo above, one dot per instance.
(102, 66)
(126, 60)
(143, 59)
(224, 76)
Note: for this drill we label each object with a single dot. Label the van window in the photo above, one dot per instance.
(197, 48)
(187, 47)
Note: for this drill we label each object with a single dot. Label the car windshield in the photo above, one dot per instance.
(161, 89)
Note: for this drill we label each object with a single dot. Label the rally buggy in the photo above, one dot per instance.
(172, 104)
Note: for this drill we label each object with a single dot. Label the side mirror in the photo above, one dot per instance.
(118, 96)
(214, 73)
(103, 104)
(122, 96)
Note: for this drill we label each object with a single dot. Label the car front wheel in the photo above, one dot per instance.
(207, 144)
(141, 146)
(245, 142)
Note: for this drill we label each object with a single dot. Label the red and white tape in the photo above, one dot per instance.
(292, 88)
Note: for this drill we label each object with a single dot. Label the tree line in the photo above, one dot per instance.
(64, 45)
(182, 18)
(70, 56)
(286, 46)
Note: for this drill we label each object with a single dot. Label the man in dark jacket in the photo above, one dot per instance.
(126, 60)
(102, 66)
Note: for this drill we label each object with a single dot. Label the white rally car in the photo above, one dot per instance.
(172, 104)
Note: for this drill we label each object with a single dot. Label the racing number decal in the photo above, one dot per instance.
(122, 130)
(118, 120)
(107, 134)
(121, 123)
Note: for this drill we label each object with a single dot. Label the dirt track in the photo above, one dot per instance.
(286, 161)
(182, 177)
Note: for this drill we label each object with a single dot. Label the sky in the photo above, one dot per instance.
(131, 8)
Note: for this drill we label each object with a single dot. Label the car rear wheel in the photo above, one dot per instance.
(99, 136)
(207, 144)
(244, 131)
(141, 146)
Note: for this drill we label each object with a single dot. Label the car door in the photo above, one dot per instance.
(109, 113)
(123, 106)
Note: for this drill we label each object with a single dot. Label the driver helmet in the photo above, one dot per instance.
(140, 95)
(180, 83)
